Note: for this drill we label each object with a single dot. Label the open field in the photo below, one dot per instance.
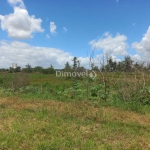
(74, 75)
(47, 125)
(51, 113)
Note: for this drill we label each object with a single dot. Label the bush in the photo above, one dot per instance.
(20, 80)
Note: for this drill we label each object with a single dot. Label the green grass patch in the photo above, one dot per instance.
(44, 125)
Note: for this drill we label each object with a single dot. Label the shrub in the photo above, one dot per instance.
(20, 80)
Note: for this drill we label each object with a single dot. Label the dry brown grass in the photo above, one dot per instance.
(107, 127)
(82, 109)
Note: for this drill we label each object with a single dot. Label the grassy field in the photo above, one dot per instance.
(53, 125)
(54, 113)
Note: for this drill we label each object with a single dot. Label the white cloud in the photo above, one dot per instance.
(65, 29)
(143, 47)
(53, 27)
(16, 2)
(114, 58)
(111, 45)
(84, 62)
(23, 53)
(20, 25)
(136, 58)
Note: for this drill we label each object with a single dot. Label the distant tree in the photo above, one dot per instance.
(92, 65)
(111, 65)
(137, 66)
(37, 69)
(45, 71)
(28, 69)
(128, 62)
(18, 69)
(49, 70)
(78, 63)
(3, 70)
(80, 69)
(28, 66)
(14, 70)
(95, 68)
(67, 67)
(11, 70)
(120, 66)
(74, 63)
(141, 66)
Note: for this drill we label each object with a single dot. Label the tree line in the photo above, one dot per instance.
(107, 64)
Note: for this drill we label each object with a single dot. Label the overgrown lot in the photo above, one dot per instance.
(133, 87)
(43, 112)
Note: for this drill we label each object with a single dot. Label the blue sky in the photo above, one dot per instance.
(48, 32)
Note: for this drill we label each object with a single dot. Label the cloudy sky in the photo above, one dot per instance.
(48, 32)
